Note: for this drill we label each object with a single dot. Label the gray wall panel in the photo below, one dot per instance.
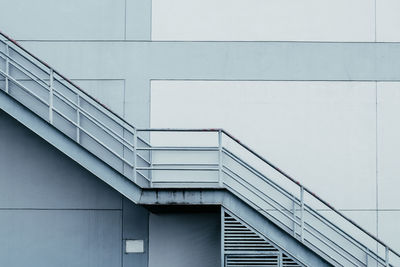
(109, 92)
(184, 239)
(33, 174)
(135, 226)
(138, 19)
(64, 19)
(60, 238)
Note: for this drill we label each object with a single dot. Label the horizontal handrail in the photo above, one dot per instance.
(20, 66)
(23, 86)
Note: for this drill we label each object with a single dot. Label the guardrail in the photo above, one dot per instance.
(209, 158)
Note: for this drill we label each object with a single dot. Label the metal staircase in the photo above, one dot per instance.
(190, 158)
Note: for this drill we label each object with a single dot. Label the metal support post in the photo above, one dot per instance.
(151, 167)
(294, 218)
(302, 213)
(51, 96)
(222, 236)
(387, 256)
(7, 68)
(78, 119)
(135, 133)
(220, 158)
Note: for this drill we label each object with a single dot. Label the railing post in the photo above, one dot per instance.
(302, 213)
(134, 155)
(7, 67)
(151, 166)
(387, 256)
(280, 259)
(78, 119)
(220, 158)
(51, 96)
(294, 218)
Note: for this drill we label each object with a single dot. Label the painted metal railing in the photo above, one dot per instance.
(187, 158)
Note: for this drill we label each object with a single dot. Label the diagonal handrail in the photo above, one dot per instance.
(66, 79)
(309, 191)
(123, 123)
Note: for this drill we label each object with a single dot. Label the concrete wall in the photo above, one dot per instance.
(117, 47)
(94, 38)
(55, 213)
(185, 239)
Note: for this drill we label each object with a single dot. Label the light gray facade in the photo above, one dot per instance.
(108, 48)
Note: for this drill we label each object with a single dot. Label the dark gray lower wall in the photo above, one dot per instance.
(184, 239)
(135, 226)
(53, 212)
(60, 238)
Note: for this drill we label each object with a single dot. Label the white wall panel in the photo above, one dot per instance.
(276, 20)
(389, 145)
(389, 230)
(323, 133)
(387, 20)
(63, 19)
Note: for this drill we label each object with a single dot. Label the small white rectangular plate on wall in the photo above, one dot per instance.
(134, 246)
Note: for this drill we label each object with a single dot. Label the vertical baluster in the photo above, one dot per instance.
(51, 96)
(151, 165)
(78, 119)
(280, 259)
(294, 218)
(7, 68)
(387, 256)
(220, 158)
(302, 213)
(135, 133)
